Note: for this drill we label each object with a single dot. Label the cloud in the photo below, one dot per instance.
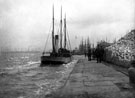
(27, 23)
(105, 11)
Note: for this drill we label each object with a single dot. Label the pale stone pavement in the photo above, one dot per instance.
(96, 80)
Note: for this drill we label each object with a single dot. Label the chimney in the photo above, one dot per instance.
(56, 43)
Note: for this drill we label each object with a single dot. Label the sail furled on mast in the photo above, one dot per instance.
(65, 40)
(53, 46)
(61, 29)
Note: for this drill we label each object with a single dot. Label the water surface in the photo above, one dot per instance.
(22, 77)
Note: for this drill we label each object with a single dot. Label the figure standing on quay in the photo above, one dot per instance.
(89, 54)
(99, 53)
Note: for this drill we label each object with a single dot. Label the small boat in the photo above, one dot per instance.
(59, 55)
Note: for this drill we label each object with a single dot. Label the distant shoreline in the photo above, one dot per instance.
(20, 51)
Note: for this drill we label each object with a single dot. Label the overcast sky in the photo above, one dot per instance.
(26, 23)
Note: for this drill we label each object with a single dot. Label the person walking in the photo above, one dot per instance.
(89, 54)
(98, 53)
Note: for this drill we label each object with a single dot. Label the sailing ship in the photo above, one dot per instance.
(59, 55)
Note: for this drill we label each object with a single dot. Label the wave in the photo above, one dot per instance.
(19, 68)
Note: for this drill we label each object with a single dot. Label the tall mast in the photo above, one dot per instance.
(53, 31)
(65, 40)
(61, 29)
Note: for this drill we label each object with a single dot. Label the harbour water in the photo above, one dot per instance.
(22, 77)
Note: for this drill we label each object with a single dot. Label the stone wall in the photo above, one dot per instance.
(123, 51)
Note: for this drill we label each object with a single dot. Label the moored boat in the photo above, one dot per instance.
(59, 55)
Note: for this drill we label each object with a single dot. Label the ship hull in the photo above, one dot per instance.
(55, 60)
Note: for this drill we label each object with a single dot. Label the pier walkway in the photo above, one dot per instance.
(95, 80)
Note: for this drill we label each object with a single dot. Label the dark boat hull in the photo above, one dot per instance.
(55, 60)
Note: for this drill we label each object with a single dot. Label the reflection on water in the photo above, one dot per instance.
(22, 77)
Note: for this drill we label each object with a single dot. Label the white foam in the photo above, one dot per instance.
(29, 65)
(25, 57)
(20, 97)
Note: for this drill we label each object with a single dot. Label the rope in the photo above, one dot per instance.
(46, 41)
(68, 40)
